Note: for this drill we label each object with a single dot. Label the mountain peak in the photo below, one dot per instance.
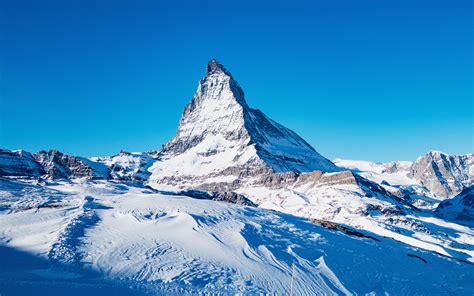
(214, 67)
(220, 135)
(435, 152)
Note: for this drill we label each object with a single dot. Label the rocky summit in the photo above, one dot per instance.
(220, 135)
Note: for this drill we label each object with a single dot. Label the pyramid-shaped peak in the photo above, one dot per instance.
(219, 134)
(214, 67)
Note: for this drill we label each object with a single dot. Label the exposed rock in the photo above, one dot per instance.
(57, 165)
(460, 207)
(444, 175)
(19, 163)
(417, 257)
(230, 197)
(346, 230)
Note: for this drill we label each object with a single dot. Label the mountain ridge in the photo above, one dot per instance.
(441, 174)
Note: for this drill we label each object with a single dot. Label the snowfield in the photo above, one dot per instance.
(98, 236)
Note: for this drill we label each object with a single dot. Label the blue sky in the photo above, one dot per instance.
(375, 80)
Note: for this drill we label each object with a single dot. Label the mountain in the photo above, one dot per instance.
(57, 165)
(99, 238)
(220, 136)
(19, 163)
(49, 164)
(459, 208)
(434, 175)
(444, 175)
(127, 166)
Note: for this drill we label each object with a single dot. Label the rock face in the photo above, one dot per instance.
(57, 165)
(220, 135)
(460, 207)
(49, 165)
(444, 175)
(19, 163)
(229, 197)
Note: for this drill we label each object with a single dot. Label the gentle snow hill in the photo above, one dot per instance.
(173, 245)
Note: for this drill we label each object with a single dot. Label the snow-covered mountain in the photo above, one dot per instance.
(127, 166)
(444, 175)
(220, 136)
(57, 165)
(50, 165)
(68, 208)
(435, 175)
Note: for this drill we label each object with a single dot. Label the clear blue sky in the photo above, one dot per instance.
(375, 80)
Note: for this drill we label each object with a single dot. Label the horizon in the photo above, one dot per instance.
(79, 79)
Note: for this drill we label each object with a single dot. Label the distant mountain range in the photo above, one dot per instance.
(435, 174)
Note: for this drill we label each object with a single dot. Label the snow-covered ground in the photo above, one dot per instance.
(347, 204)
(97, 236)
(395, 172)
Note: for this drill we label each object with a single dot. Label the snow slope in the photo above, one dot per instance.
(153, 243)
(350, 205)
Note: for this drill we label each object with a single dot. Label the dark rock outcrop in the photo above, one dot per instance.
(57, 165)
(19, 163)
(460, 207)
